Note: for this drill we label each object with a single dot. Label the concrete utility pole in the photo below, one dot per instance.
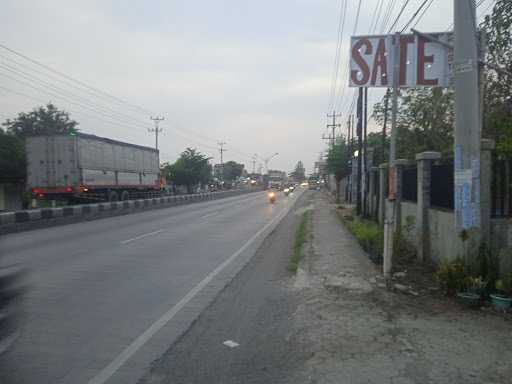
(359, 148)
(386, 105)
(389, 208)
(157, 130)
(365, 158)
(333, 126)
(467, 122)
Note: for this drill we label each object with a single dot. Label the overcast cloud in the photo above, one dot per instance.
(255, 74)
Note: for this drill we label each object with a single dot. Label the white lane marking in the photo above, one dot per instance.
(231, 344)
(210, 215)
(143, 338)
(142, 236)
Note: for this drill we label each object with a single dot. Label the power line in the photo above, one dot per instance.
(339, 99)
(335, 71)
(357, 17)
(377, 19)
(82, 87)
(406, 2)
(66, 93)
(96, 90)
(414, 15)
(387, 16)
(423, 13)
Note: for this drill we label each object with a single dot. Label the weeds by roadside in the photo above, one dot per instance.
(300, 239)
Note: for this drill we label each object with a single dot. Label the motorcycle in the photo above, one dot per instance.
(272, 197)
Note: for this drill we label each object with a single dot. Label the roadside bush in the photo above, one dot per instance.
(369, 235)
(451, 276)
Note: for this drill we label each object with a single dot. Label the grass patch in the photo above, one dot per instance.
(369, 235)
(301, 235)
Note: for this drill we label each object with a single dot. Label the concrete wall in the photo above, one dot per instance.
(501, 237)
(408, 209)
(443, 242)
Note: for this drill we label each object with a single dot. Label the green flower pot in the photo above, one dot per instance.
(501, 302)
(469, 299)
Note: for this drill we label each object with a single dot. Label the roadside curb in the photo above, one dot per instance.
(26, 220)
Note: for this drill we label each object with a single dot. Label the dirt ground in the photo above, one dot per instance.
(360, 332)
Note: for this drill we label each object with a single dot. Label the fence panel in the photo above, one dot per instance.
(442, 185)
(501, 187)
(410, 184)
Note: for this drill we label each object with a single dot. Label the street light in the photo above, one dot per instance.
(267, 160)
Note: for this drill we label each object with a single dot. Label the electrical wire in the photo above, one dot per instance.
(357, 17)
(406, 2)
(414, 15)
(78, 85)
(335, 71)
(387, 16)
(96, 90)
(423, 14)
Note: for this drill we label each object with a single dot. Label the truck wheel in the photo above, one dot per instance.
(113, 196)
(125, 196)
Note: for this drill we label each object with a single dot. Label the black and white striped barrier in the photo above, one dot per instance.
(43, 217)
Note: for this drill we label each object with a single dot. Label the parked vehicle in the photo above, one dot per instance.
(83, 166)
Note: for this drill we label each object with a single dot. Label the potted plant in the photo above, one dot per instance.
(474, 289)
(502, 299)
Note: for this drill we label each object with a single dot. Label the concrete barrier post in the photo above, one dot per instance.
(424, 161)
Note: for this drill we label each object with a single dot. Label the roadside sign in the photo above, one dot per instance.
(422, 62)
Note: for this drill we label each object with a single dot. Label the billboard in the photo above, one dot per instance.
(422, 62)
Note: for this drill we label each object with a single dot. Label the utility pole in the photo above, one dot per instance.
(359, 148)
(333, 126)
(467, 123)
(222, 150)
(365, 158)
(390, 208)
(254, 157)
(157, 130)
(386, 103)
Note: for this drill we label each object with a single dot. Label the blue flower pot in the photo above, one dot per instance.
(501, 302)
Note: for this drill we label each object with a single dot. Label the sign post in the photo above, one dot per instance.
(399, 61)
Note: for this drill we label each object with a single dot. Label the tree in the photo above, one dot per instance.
(299, 174)
(425, 120)
(12, 159)
(191, 169)
(232, 170)
(497, 100)
(41, 121)
(338, 162)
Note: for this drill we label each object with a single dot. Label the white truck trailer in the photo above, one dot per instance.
(84, 166)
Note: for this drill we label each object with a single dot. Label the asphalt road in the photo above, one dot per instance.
(255, 311)
(106, 298)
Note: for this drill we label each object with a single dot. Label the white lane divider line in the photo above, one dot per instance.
(231, 344)
(142, 339)
(142, 236)
(210, 215)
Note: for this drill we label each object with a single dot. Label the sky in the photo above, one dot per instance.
(256, 75)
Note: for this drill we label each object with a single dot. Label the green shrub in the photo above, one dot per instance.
(505, 284)
(369, 235)
(451, 276)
